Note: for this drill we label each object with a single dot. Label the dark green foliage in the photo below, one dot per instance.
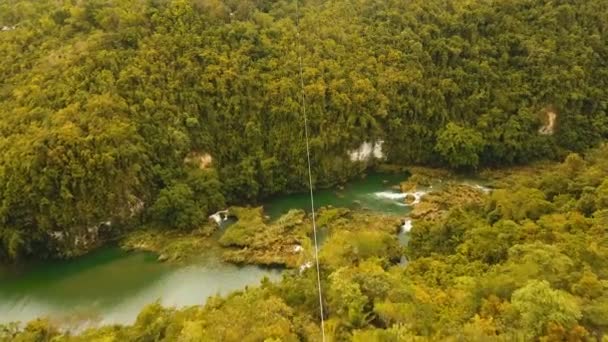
(459, 146)
(176, 206)
(185, 204)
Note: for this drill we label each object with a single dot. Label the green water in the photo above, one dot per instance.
(112, 286)
(374, 192)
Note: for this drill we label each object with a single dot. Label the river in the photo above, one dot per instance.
(112, 286)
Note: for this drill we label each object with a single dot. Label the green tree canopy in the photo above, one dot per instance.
(459, 146)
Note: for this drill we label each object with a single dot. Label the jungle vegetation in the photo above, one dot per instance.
(526, 262)
(117, 113)
(154, 110)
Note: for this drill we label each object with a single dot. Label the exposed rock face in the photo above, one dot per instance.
(367, 151)
(200, 159)
(136, 206)
(80, 242)
(550, 118)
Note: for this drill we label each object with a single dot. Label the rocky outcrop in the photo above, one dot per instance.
(74, 243)
(199, 159)
(550, 119)
(367, 151)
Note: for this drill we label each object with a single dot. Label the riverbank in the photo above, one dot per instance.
(279, 236)
(250, 239)
(199, 263)
(254, 240)
(110, 285)
(171, 245)
(279, 233)
(359, 256)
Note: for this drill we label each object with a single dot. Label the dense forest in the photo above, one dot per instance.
(113, 112)
(118, 114)
(526, 262)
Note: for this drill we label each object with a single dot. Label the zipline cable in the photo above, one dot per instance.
(312, 200)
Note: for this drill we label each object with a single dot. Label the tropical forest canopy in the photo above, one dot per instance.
(113, 111)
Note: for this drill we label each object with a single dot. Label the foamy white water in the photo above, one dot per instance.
(219, 217)
(390, 195)
(407, 226)
(400, 196)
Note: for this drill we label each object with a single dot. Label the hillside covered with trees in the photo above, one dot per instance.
(116, 112)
